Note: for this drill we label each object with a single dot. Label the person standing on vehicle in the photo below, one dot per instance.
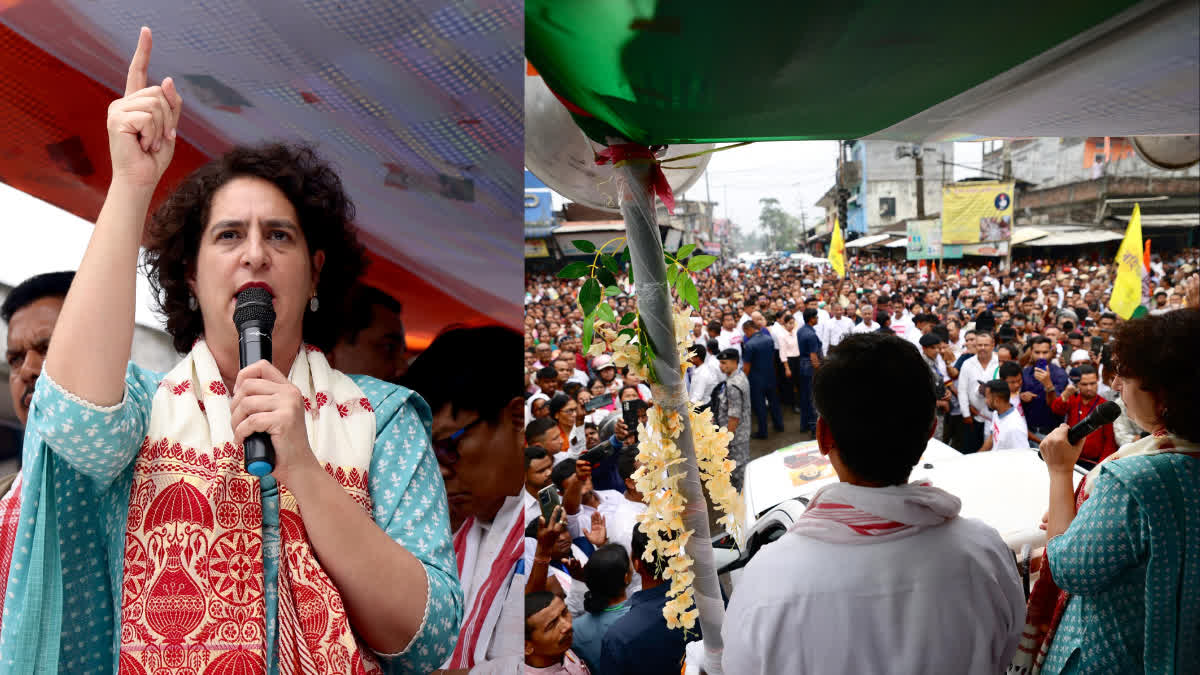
(911, 587)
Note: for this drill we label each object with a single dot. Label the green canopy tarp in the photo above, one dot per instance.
(689, 71)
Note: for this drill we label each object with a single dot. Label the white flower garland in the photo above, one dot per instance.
(658, 481)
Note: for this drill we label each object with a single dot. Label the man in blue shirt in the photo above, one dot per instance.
(810, 359)
(640, 642)
(1034, 380)
(758, 362)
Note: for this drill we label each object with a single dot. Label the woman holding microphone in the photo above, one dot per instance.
(144, 546)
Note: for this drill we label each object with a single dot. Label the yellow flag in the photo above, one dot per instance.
(1127, 291)
(837, 251)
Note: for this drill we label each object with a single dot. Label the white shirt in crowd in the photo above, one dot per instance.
(730, 340)
(620, 524)
(789, 344)
(778, 332)
(1008, 431)
(742, 321)
(969, 377)
(833, 331)
(580, 523)
(867, 326)
(705, 378)
(959, 346)
(944, 601)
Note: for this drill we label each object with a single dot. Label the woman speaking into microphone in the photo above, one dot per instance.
(144, 545)
(1119, 590)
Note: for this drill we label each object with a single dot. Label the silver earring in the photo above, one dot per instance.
(314, 304)
(192, 304)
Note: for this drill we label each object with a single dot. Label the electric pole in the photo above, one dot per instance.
(920, 165)
(803, 229)
(1006, 154)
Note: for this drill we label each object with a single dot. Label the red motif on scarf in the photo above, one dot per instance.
(192, 594)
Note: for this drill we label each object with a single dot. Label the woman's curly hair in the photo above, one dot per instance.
(321, 203)
(1159, 351)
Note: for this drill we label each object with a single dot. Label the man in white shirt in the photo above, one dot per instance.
(978, 369)
(747, 308)
(484, 486)
(921, 325)
(910, 587)
(698, 336)
(832, 331)
(868, 325)
(901, 319)
(564, 365)
(730, 338)
(958, 339)
(1006, 429)
(777, 331)
(623, 518)
(705, 375)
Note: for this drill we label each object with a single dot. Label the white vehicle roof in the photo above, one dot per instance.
(1007, 489)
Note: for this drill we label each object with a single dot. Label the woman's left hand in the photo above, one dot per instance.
(264, 400)
(1058, 454)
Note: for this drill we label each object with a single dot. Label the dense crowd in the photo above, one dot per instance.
(1010, 354)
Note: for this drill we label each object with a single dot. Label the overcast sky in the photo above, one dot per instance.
(797, 173)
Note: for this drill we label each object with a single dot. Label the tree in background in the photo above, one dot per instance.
(782, 228)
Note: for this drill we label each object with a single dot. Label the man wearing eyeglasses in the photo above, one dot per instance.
(478, 417)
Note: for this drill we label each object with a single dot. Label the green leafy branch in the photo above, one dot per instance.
(601, 283)
(679, 272)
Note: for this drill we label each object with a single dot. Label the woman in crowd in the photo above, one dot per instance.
(597, 389)
(607, 573)
(630, 392)
(1125, 548)
(147, 547)
(563, 409)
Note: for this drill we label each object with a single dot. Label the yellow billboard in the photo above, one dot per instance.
(977, 211)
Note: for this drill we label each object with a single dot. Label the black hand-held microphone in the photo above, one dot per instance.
(254, 317)
(1104, 413)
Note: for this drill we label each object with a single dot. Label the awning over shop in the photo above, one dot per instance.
(590, 226)
(598, 232)
(539, 231)
(896, 243)
(1024, 234)
(866, 241)
(1074, 237)
(1167, 220)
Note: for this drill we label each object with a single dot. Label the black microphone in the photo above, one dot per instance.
(1104, 413)
(254, 317)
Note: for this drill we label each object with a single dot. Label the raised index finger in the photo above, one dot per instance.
(139, 67)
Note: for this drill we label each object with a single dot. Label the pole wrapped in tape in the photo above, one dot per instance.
(637, 189)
